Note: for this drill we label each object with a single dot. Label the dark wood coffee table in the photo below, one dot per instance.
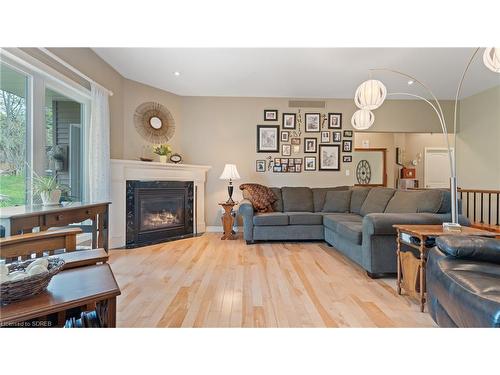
(85, 287)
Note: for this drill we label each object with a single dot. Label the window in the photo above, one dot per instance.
(42, 126)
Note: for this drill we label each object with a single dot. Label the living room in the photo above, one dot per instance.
(250, 184)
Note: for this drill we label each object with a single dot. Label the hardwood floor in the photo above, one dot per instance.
(206, 282)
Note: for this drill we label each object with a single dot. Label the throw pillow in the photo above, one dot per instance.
(261, 197)
(337, 201)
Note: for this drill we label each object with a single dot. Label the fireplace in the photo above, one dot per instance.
(158, 211)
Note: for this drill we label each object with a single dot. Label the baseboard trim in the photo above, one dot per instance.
(217, 229)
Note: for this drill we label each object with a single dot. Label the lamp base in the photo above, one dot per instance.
(452, 227)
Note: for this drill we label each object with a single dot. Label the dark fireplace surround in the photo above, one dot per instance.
(158, 211)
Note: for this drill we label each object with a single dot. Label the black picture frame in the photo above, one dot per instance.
(260, 166)
(307, 166)
(284, 117)
(347, 145)
(322, 166)
(348, 133)
(337, 136)
(307, 124)
(285, 136)
(272, 112)
(346, 158)
(315, 142)
(276, 129)
(334, 120)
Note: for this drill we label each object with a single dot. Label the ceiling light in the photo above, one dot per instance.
(362, 119)
(370, 94)
(411, 82)
(177, 74)
(491, 59)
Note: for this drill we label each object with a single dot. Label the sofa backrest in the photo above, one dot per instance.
(319, 195)
(376, 201)
(358, 196)
(278, 205)
(298, 199)
(413, 201)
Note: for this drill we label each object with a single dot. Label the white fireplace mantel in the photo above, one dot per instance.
(123, 170)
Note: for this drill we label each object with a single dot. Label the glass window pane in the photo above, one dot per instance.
(13, 129)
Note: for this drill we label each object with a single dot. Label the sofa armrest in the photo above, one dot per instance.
(470, 247)
(246, 212)
(382, 223)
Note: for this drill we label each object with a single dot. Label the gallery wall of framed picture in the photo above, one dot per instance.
(305, 141)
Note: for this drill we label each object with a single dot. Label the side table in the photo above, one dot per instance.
(411, 270)
(228, 220)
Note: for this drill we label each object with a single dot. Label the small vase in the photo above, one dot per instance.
(163, 158)
(51, 198)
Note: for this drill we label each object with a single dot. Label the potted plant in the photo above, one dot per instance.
(163, 151)
(57, 155)
(48, 188)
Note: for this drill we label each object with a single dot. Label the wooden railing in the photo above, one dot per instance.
(481, 207)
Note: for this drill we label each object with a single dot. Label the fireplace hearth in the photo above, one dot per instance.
(158, 211)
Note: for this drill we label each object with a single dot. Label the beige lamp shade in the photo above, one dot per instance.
(491, 59)
(230, 173)
(370, 94)
(362, 119)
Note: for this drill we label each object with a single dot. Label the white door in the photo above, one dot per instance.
(437, 168)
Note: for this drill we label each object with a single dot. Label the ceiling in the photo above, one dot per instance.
(297, 72)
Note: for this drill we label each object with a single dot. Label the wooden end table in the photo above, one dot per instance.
(409, 267)
(228, 220)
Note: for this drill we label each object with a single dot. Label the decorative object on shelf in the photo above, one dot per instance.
(28, 278)
(230, 173)
(362, 119)
(285, 136)
(145, 159)
(408, 173)
(309, 163)
(175, 158)
(270, 115)
(268, 138)
(348, 133)
(228, 220)
(325, 137)
(347, 158)
(347, 145)
(363, 172)
(312, 122)
(371, 94)
(310, 145)
(48, 189)
(295, 141)
(260, 166)
(154, 122)
(289, 120)
(163, 151)
(335, 121)
(329, 158)
(286, 150)
(337, 136)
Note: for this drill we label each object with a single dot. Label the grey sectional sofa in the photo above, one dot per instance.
(357, 221)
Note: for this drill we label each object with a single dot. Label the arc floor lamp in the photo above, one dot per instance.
(372, 93)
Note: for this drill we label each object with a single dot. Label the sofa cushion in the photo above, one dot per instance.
(337, 201)
(319, 195)
(270, 218)
(331, 220)
(351, 230)
(278, 204)
(305, 218)
(407, 201)
(297, 199)
(358, 197)
(470, 247)
(376, 201)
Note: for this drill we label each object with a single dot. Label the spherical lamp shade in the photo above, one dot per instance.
(362, 119)
(491, 59)
(370, 94)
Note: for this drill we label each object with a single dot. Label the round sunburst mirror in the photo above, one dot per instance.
(154, 122)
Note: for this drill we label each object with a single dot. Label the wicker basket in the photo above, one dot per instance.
(11, 291)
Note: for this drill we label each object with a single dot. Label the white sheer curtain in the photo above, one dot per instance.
(98, 156)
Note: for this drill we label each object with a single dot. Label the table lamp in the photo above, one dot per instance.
(230, 173)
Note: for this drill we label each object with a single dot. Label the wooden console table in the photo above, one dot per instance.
(67, 291)
(22, 219)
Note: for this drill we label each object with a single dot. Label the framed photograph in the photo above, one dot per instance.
(298, 168)
(284, 161)
(309, 163)
(285, 168)
(291, 168)
(295, 149)
(291, 162)
(325, 137)
(348, 133)
(298, 160)
(277, 161)
(285, 136)
(295, 141)
(277, 168)
(310, 145)
(347, 145)
(270, 115)
(286, 150)
(268, 138)
(335, 121)
(260, 166)
(329, 158)
(347, 158)
(312, 121)
(289, 120)
(337, 136)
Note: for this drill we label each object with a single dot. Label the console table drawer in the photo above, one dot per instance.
(69, 217)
